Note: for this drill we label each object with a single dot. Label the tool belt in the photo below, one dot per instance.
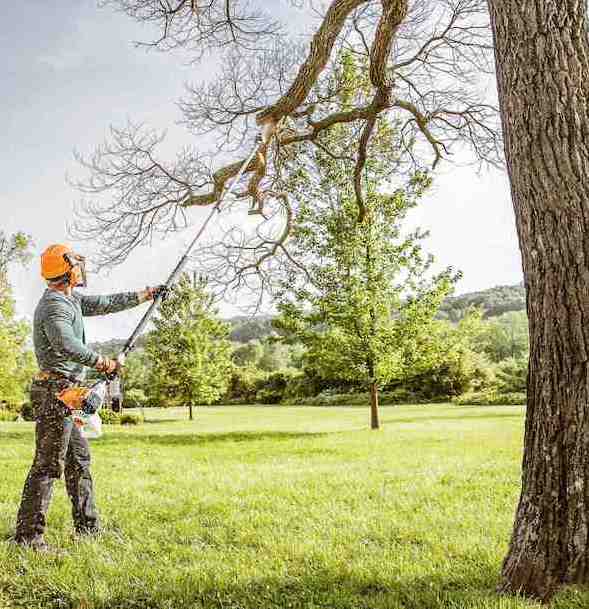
(72, 396)
(46, 375)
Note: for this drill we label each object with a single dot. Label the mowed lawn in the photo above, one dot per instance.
(258, 507)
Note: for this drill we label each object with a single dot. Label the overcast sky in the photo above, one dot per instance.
(70, 70)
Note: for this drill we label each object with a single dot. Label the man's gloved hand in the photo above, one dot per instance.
(158, 290)
(107, 366)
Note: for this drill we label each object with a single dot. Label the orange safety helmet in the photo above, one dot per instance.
(60, 261)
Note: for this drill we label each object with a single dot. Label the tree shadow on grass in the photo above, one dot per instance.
(190, 439)
(469, 583)
(454, 417)
(172, 439)
(25, 434)
(328, 589)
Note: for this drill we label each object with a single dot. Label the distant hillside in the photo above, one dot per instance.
(112, 347)
(494, 301)
(244, 329)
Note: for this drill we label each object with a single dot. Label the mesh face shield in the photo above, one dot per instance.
(77, 273)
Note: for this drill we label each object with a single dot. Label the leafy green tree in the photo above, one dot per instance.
(136, 379)
(244, 384)
(499, 338)
(506, 336)
(443, 362)
(512, 374)
(17, 363)
(134, 398)
(275, 356)
(137, 370)
(269, 355)
(13, 248)
(247, 354)
(189, 349)
(360, 292)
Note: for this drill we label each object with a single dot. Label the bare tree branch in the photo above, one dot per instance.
(201, 25)
(421, 62)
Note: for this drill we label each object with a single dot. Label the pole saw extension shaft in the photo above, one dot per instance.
(130, 344)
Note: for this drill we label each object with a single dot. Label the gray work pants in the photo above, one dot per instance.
(59, 448)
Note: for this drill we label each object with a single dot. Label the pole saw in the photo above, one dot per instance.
(95, 396)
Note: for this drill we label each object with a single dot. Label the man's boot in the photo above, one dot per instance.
(39, 545)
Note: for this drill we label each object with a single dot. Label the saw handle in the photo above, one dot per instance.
(114, 379)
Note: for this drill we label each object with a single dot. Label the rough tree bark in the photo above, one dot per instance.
(542, 56)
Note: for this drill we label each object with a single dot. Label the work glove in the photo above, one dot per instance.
(158, 290)
(107, 366)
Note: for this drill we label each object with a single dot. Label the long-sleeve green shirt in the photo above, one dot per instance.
(58, 329)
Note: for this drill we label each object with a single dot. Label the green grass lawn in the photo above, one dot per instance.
(258, 507)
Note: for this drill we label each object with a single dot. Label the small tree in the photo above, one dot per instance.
(189, 349)
(361, 293)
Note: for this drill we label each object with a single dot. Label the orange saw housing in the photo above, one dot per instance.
(73, 397)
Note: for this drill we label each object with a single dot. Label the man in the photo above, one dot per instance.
(62, 355)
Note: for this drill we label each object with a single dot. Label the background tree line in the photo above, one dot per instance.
(480, 357)
(17, 364)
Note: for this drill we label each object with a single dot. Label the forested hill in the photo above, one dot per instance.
(244, 329)
(494, 301)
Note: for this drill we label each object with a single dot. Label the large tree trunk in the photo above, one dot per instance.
(374, 420)
(542, 55)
